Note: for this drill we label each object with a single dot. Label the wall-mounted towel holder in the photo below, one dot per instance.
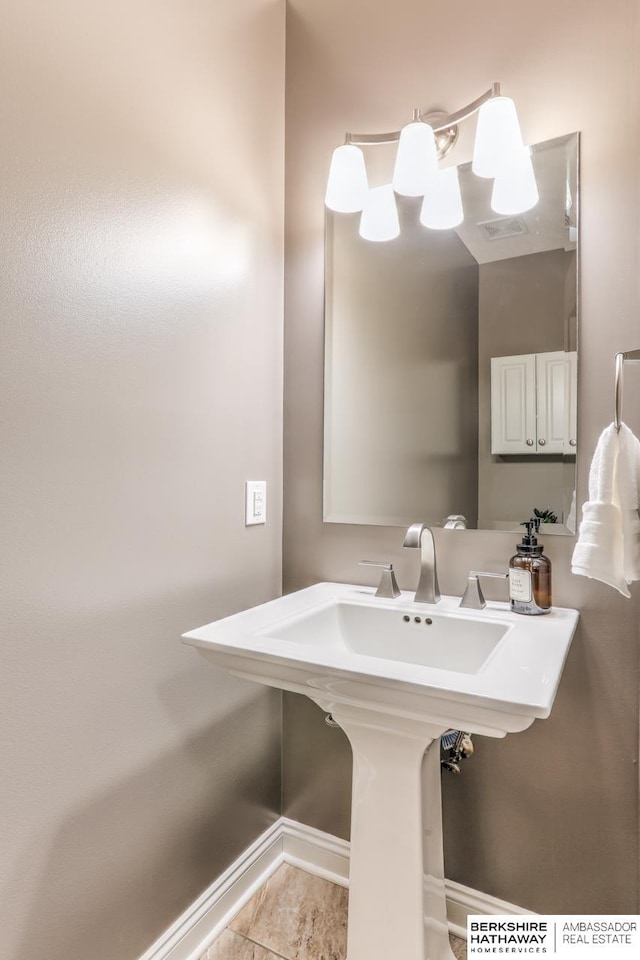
(631, 356)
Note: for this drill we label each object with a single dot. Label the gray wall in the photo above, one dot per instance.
(548, 818)
(141, 316)
(402, 338)
(520, 314)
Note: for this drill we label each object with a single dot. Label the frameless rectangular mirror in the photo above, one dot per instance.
(450, 361)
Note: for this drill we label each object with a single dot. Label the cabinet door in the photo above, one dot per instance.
(513, 404)
(553, 395)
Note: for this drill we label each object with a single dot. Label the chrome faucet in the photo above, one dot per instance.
(420, 535)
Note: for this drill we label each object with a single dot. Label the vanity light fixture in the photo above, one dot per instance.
(379, 220)
(497, 136)
(514, 188)
(442, 204)
(348, 187)
(416, 159)
(499, 153)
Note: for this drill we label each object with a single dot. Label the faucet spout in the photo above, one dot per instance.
(420, 536)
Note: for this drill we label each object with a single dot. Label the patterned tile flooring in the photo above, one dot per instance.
(295, 916)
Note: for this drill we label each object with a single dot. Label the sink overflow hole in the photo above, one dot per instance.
(427, 620)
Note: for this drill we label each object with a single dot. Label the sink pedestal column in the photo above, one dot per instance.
(397, 904)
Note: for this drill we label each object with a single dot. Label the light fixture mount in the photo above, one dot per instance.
(444, 121)
(446, 137)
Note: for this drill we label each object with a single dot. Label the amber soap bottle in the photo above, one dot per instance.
(530, 575)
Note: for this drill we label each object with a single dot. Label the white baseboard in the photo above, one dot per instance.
(314, 851)
(321, 854)
(463, 902)
(196, 929)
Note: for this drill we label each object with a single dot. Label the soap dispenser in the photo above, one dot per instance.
(530, 575)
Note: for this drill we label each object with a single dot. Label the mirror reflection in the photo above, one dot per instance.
(450, 361)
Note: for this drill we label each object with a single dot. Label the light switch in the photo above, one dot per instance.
(255, 502)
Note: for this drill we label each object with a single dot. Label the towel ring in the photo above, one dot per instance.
(632, 356)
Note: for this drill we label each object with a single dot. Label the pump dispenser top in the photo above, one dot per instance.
(529, 544)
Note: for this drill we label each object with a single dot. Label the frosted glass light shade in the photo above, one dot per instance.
(347, 187)
(514, 188)
(442, 204)
(379, 220)
(497, 136)
(416, 159)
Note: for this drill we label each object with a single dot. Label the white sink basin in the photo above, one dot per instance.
(396, 674)
(441, 641)
(489, 671)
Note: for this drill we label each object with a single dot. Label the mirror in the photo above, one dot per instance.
(450, 361)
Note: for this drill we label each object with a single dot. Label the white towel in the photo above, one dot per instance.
(608, 547)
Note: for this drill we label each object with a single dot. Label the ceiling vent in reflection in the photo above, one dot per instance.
(502, 227)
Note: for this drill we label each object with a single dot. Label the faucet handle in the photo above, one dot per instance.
(455, 521)
(388, 586)
(473, 597)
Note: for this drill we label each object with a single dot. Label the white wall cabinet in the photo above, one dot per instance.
(533, 403)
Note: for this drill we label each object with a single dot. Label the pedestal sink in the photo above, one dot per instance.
(396, 675)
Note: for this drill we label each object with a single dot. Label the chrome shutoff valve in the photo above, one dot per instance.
(460, 746)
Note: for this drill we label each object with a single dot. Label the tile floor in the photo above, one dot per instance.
(295, 916)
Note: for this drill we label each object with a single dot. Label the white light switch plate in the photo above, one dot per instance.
(255, 502)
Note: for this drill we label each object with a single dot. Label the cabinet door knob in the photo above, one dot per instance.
(529, 443)
(542, 442)
(572, 443)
